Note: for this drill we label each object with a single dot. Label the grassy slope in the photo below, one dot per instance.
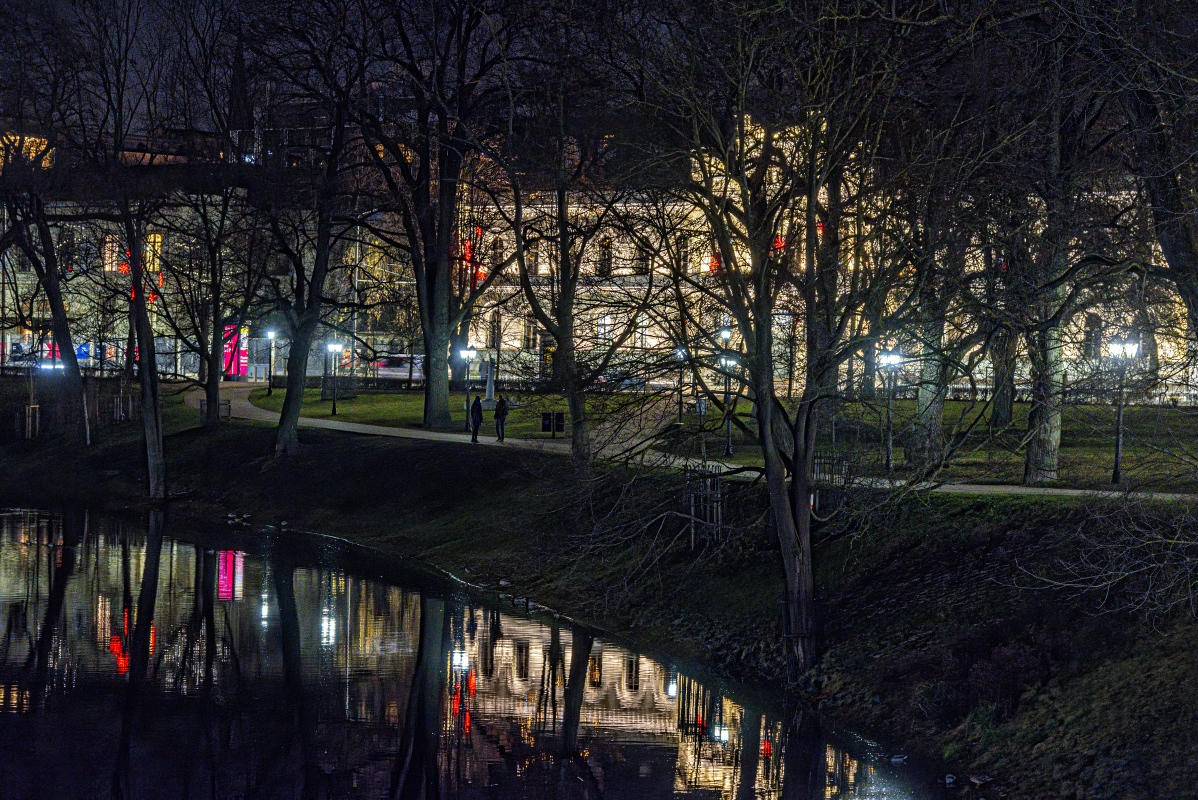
(928, 642)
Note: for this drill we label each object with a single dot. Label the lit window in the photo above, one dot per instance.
(153, 252)
(113, 253)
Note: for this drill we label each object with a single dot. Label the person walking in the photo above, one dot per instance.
(500, 417)
(476, 418)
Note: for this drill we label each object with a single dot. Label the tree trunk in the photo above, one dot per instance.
(436, 379)
(287, 436)
(580, 433)
(216, 352)
(869, 370)
(927, 434)
(48, 273)
(1003, 360)
(215, 372)
(147, 363)
(1172, 217)
(1044, 418)
(790, 515)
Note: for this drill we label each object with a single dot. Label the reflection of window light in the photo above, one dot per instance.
(460, 660)
(328, 629)
(721, 733)
(265, 609)
(671, 690)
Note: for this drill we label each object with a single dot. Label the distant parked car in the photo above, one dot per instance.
(402, 367)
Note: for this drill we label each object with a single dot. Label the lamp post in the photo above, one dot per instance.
(890, 360)
(335, 349)
(728, 362)
(468, 353)
(1123, 352)
(681, 355)
(270, 367)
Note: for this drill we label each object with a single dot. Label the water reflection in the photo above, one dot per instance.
(134, 664)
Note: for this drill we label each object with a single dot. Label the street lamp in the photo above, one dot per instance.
(890, 360)
(725, 334)
(682, 356)
(1123, 352)
(468, 353)
(335, 349)
(728, 362)
(270, 368)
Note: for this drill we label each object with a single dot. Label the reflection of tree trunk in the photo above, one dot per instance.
(209, 610)
(71, 525)
(580, 654)
(805, 771)
(139, 651)
(750, 744)
(293, 676)
(416, 775)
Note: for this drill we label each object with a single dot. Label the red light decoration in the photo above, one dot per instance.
(715, 264)
(471, 683)
(116, 646)
(767, 749)
(466, 722)
(779, 243)
(456, 705)
(819, 228)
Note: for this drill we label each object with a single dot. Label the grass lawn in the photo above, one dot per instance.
(1160, 443)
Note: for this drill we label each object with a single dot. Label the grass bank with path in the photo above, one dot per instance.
(932, 642)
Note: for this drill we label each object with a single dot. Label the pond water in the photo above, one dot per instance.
(147, 660)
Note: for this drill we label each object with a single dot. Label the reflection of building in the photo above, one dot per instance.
(220, 694)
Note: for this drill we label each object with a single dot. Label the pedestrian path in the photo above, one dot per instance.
(240, 407)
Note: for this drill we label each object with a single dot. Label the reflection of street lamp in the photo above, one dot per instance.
(335, 349)
(728, 363)
(468, 353)
(891, 360)
(270, 369)
(681, 355)
(1123, 352)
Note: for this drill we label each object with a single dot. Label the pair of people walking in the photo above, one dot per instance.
(476, 417)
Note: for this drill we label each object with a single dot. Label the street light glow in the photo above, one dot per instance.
(270, 335)
(1125, 349)
(727, 361)
(336, 347)
(468, 353)
(890, 359)
(681, 354)
(726, 334)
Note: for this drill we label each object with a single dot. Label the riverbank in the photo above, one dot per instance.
(931, 641)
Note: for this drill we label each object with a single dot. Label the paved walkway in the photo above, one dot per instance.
(240, 407)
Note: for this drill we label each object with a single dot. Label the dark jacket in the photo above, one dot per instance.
(476, 412)
(501, 409)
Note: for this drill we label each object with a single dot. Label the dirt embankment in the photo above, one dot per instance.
(938, 635)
